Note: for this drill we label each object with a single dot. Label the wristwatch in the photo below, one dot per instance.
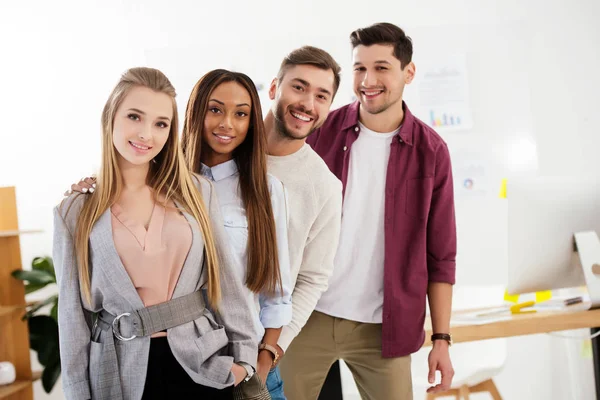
(249, 370)
(442, 336)
(270, 349)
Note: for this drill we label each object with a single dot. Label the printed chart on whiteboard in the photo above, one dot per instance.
(440, 93)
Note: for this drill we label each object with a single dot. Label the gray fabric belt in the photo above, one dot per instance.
(140, 323)
(153, 319)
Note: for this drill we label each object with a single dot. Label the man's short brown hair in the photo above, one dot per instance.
(385, 33)
(309, 55)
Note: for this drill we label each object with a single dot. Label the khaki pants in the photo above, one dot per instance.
(325, 339)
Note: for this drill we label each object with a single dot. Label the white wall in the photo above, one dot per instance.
(532, 77)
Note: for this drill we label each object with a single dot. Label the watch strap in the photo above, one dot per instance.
(270, 349)
(442, 336)
(249, 370)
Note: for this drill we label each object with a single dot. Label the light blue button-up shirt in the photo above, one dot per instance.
(272, 311)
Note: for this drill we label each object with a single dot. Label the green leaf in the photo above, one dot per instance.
(43, 337)
(50, 375)
(43, 264)
(43, 329)
(35, 277)
(54, 311)
(30, 288)
(48, 353)
(37, 306)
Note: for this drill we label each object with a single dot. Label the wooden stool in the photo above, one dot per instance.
(464, 391)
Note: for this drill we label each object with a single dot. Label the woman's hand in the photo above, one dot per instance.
(265, 362)
(239, 373)
(85, 185)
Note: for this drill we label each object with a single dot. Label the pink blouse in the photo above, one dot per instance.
(154, 257)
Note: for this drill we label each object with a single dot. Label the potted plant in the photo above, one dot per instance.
(43, 329)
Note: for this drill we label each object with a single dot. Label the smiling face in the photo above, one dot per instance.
(226, 122)
(142, 125)
(379, 78)
(303, 98)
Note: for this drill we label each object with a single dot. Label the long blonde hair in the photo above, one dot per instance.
(168, 176)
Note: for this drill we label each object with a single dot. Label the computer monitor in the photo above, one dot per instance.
(544, 214)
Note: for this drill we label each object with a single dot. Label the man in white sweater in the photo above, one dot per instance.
(302, 94)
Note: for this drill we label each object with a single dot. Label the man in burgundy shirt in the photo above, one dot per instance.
(398, 236)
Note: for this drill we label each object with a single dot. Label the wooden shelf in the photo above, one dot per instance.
(19, 232)
(13, 388)
(19, 385)
(12, 301)
(6, 311)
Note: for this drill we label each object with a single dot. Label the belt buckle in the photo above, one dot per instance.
(115, 328)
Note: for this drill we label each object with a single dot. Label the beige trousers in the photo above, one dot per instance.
(325, 339)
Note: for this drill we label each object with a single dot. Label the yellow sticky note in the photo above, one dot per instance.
(543, 296)
(586, 349)
(513, 298)
(502, 193)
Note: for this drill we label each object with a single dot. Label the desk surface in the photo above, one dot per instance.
(522, 324)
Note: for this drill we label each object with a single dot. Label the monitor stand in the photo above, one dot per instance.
(588, 249)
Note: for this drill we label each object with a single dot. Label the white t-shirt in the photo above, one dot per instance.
(356, 286)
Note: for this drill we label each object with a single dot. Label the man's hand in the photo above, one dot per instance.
(265, 362)
(239, 373)
(281, 353)
(439, 360)
(85, 185)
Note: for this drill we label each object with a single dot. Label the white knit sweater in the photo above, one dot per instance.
(315, 210)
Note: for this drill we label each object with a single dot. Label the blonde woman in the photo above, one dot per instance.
(131, 261)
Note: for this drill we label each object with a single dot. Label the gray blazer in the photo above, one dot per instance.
(206, 347)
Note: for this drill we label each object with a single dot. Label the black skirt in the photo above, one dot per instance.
(166, 379)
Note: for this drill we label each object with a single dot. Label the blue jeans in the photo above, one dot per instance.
(275, 385)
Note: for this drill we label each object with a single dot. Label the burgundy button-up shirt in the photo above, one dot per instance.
(420, 228)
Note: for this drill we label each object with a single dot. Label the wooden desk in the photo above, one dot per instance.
(529, 324)
(522, 324)
(517, 325)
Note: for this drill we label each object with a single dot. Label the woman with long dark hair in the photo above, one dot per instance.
(224, 139)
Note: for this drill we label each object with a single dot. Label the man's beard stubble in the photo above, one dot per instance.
(283, 130)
